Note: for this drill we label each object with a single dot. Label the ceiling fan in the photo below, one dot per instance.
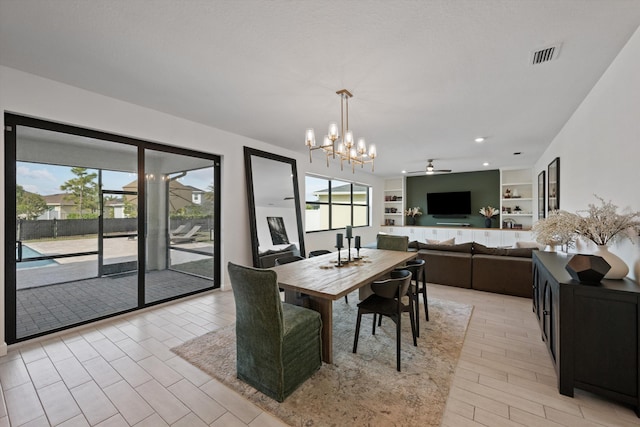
(430, 169)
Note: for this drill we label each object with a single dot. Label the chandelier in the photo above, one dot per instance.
(346, 150)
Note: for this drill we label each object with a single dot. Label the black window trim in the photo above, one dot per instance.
(330, 202)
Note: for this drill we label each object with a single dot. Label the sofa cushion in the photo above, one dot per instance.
(502, 274)
(480, 249)
(447, 268)
(520, 244)
(460, 247)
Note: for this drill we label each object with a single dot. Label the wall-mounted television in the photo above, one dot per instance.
(449, 203)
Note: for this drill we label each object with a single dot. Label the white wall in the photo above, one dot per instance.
(599, 147)
(30, 95)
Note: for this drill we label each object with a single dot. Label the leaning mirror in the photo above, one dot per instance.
(275, 218)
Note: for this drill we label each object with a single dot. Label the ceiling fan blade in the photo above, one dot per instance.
(429, 170)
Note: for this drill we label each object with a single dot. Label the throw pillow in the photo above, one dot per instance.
(521, 252)
(535, 245)
(485, 250)
(451, 241)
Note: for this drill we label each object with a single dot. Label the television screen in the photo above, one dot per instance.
(449, 203)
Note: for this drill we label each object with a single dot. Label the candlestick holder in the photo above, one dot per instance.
(349, 249)
(357, 245)
(340, 263)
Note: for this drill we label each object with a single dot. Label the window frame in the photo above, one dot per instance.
(330, 203)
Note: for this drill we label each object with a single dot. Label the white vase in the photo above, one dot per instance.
(619, 268)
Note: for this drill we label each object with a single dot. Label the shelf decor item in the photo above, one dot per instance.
(411, 214)
(587, 269)
(603, 225)
(488, 212)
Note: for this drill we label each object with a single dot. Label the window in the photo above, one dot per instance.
(332, 204)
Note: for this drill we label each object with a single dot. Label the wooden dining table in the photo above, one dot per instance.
(324, 282)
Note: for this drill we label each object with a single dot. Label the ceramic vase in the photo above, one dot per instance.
(619, 268)
(411, 220)
(487, 222)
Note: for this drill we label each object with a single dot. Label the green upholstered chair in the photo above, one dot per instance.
(393, 243)
(279, 345)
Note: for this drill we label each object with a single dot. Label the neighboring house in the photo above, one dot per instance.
(117, 207)
(197, 195)
(59, 206)
(180, 195)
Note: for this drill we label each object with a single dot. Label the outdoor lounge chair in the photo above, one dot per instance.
(177, 231)
(186, 237)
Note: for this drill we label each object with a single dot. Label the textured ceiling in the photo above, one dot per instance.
(427, 76)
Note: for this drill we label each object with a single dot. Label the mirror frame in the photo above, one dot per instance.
(248, 153)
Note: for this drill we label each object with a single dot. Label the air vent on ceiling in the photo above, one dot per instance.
(545, 55)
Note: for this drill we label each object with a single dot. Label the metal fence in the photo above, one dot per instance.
(58, 228)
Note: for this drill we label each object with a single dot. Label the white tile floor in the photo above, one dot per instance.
(121, 373)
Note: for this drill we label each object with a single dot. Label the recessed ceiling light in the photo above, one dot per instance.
(404, 171)
(485, 164)
(479, 139)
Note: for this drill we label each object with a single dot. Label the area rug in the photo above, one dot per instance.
(362, 389)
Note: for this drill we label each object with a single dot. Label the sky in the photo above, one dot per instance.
(46, 179)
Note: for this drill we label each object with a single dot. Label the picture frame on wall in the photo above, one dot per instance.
(553, 187)
(541, 195)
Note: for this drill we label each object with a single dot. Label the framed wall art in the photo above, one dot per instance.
(277, 230)
(553, 177)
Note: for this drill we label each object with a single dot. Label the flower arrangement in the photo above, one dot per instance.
(600, 224)
(413, 212)
(559, 228)
(603, 224)
(488, 211)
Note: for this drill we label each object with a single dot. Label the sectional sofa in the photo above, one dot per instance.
(475, 266)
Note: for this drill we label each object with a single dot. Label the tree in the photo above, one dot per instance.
(83, 190)
(29, 205)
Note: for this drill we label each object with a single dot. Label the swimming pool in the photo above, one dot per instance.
(27, 252)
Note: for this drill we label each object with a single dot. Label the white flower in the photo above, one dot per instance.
(413, 212)
(488, 211)
(559, 228)
(603, 224)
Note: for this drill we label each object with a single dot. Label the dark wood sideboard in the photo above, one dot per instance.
(591, 331)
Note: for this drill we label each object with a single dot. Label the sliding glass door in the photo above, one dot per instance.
(180, 224)
(92, 238)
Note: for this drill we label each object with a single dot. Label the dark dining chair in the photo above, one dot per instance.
(287, 259)
(388, 242)
(416, 267)
(387, 301)
(318, 252)
(278, 344)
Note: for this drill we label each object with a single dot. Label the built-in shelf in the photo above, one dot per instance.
(394, 188)
(518, 182)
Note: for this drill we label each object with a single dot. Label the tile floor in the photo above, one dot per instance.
(45, 308)
(121, 373)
